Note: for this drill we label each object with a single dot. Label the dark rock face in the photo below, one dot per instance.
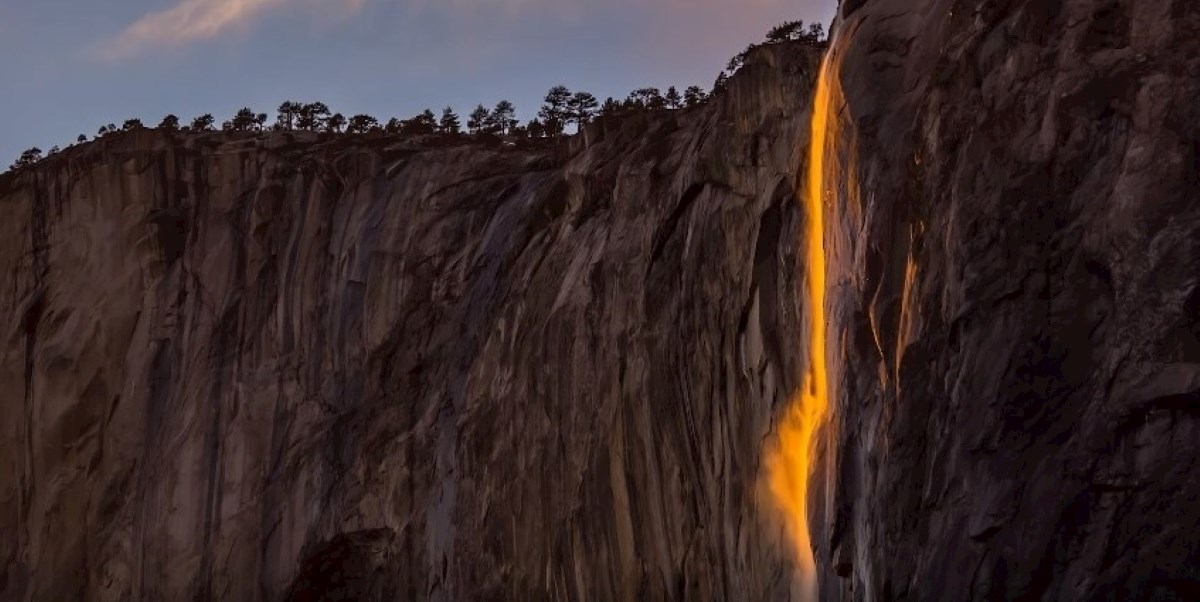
(289, 367)
(1018, 408)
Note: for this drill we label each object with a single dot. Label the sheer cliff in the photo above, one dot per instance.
(293, 366)
(1014, 302)
(252, 367)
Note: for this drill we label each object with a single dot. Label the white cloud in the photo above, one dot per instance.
(192, 21)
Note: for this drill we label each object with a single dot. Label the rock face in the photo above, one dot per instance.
(310, 368)
(1017, 302)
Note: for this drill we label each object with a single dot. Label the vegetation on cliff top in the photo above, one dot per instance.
(560, 109)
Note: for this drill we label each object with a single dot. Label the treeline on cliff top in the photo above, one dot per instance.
(560, 108)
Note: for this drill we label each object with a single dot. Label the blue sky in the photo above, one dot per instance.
(70, 66)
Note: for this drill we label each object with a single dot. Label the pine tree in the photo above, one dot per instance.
(581, 108)
(673, 99)
(312, 116)
(478, 119)
(694, 96)
(288, 112)
(203, 123)
(335, 123)
(450, 123)
(610, 108)
(27, 158)
(535, 129)
(361, 124)
(169, 123)
(244, 120)
(132, 124)
(503, 118)
(555, 111)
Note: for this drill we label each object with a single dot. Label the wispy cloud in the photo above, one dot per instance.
(193, 21)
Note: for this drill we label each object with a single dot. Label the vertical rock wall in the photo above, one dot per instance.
(246, 368)
(1016, 293)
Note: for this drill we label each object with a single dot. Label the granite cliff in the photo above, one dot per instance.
(289, 365)
(293, 366)
(1014, 303)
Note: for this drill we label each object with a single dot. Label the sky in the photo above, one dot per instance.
(70, 66)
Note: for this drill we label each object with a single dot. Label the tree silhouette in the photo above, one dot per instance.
(610, 108)
(203, 123)
(535, 129)
(503, 118)
(289, 111)
(423, 124)
(450, 123)
(132, 124)
(312, 116)
(53, 151)
(721, 83)
(816, 33)
(673, 99)
(694, 96)
(785, 32)
(169, 123)
(82, 138)
(335, 123)
(361, 124)
(648, 98)
(478, 119)
(244, 120)
(394, 126)
(555, 111)
(27, 158)
(581, 108)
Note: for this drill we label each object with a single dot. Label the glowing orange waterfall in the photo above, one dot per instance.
(789, 456)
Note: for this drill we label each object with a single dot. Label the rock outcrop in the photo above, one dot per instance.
(1016, 303)
(293, 366)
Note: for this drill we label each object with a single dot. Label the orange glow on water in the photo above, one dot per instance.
(789, 457)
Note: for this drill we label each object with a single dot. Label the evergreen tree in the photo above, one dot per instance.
(169, 123)
(53, 151)
(478, 119)
(335, 123)
(361, 124)
(423, 124)
(450, 123)
(555, 111)
(694, 96)
(648, 98)
(82, 138)
(721, 83)
(132, 124)
(610, 108)
(289, 111)
(581, 109)
(27, 158)
(312, 116)
(785, 32)
(244, 120)
(203, 123)
(535, 129)
(816, 33)
(673, 99)
(503, 118)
